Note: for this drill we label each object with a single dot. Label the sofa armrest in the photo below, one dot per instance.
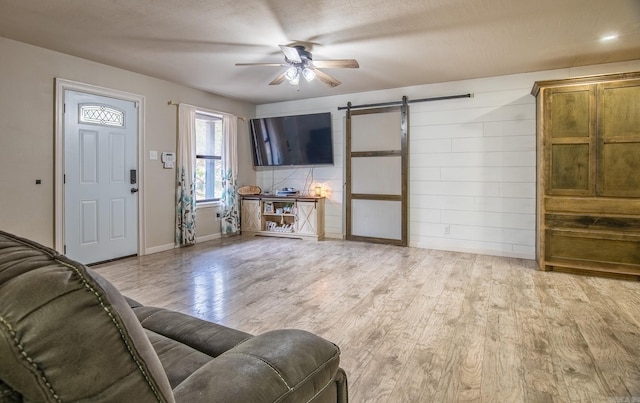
(278, 366)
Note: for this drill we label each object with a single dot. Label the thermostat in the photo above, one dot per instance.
(168, 159)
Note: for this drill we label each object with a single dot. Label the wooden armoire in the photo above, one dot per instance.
(588, 182)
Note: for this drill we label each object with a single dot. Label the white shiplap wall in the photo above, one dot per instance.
(472, 161)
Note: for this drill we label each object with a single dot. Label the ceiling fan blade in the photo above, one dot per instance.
(291, 53)
(327, 79)
(262, 64)
(278, 80)
(336, 64)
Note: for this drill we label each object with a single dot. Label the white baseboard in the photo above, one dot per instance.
(169, 246)
(206, 238)
(488, 252)
(161, 248)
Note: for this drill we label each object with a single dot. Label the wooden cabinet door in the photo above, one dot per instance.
(250, 215)
(306, 218)
(619, 139)
(569, 140)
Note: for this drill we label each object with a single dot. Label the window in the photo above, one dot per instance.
(100, 115)
(208, 157)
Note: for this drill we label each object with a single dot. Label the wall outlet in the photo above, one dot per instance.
(447, 229)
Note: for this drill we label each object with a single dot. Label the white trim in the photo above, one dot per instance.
(207, 110)
(60, 86)
(161, 248)
(206, 238)
(208, 204)
(170, 246)
(487, 252)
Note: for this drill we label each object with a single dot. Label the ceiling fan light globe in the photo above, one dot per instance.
(295, 80)
(292, 74)
(308, 74)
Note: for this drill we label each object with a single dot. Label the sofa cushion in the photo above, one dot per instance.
(286, 366)
(57, 320)
(178, 359)
(208, 337)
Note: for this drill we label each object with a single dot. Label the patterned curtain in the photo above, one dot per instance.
(230, 223)
(185, 176)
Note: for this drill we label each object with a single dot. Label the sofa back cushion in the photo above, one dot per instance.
(67, 334)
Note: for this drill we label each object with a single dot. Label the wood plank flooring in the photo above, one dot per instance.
(414, 325)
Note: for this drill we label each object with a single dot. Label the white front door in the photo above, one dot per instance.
(100, 176)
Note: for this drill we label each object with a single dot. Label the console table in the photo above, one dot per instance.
(286, 216)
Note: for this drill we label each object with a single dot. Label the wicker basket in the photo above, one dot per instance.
(249, 190)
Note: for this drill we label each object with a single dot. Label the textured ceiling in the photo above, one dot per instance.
(397, 43)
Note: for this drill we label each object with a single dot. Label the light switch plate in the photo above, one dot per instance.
(153, 155)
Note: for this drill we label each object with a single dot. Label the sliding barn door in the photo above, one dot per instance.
(377, 168)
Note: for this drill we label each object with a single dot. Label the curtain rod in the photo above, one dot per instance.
(410, 102)
(243, 118)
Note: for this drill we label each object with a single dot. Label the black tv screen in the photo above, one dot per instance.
(292, 140)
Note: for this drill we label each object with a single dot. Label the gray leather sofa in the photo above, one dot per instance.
(66, 334)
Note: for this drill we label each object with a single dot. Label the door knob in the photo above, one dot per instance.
(134, 190)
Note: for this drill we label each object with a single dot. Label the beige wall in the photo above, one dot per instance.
(27, 103)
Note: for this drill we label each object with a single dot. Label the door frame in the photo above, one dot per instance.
(61, 85)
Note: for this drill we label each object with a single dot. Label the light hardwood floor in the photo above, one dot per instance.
(414, 325)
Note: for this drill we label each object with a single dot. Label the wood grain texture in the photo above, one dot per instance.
(588, 163)
(414, 325)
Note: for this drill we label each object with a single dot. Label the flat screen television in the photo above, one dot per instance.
(292, 140)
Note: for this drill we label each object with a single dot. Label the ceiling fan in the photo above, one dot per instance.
(300, 63)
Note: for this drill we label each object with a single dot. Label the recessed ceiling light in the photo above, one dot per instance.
(607, 38)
